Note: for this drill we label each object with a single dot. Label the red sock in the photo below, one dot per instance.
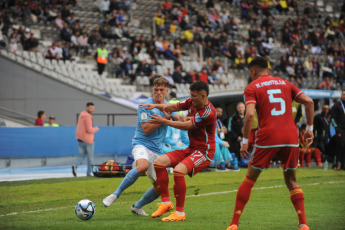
(317, 156)
(242, 198)
(297, 199)
(162, 182)
(179, 190)
(308, 157)
(301, 157)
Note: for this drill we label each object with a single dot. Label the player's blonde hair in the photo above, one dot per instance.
(161, 81)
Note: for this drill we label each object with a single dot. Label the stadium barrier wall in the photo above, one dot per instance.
(61, 141)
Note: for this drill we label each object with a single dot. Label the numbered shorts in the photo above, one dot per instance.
(261, 157)
(141, 152)
(195, 160)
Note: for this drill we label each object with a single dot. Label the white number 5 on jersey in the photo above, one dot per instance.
(272, 99)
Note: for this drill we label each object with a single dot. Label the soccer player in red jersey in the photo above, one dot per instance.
(276, 135)
(201, 126)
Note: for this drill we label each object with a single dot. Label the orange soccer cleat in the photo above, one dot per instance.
(305, 227)
(232, 227)
(162, 208)
(174, 216)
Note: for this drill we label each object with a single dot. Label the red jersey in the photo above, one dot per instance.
(204, 120)
(273, 98)
(39, 122)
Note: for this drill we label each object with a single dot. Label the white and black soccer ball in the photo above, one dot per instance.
(85, 209)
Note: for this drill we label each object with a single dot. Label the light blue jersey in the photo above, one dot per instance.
(155, 139)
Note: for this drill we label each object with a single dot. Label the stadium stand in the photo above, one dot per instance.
(303, 40)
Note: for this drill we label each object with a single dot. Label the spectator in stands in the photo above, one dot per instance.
(203, 75)
(65, 33)
(13, 42)
(115, 64)
(85, 134)
(59, 21)
(177, 75)
(54, 51)
(197, 65)
(66, 52)
(101, 57)
(326, 84)
(128, 69)
(235, 124)
(95, 37)
(83, 44)
(41, 116)
(322, 124)
(104, 7)
(51, 122)
(30, 43)
(159, 22)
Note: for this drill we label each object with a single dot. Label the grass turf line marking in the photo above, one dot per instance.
(205, 194)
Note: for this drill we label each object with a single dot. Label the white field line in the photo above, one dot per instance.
(205, 194)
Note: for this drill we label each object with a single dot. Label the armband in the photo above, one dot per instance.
(309, 128)
(244, 141)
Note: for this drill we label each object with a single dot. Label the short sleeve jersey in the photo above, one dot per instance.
(155, 139)
(204, 120)
(273, 98)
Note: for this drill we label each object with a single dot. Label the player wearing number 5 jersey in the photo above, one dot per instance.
(277, 134)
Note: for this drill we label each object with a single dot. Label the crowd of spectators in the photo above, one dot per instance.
(310, 41)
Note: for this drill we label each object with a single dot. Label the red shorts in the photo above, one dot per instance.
(195, 160)
(261, 157)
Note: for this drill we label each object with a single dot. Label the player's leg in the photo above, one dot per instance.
(317, 156)
(90, 148)
(243, 195)
(308, 157)
(83, 154)
(151, 194)
(141, 161)
(289, 159)
(166, 160)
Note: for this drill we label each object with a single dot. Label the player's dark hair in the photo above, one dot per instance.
(258, 62)
(161, 81)
(40, 113)
(173, 94)
(198, 86)
(89, 103)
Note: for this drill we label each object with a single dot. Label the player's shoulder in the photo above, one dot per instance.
(208, 111)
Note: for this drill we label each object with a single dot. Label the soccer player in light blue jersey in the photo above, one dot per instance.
(147, 146)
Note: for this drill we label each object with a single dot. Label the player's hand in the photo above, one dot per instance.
(156, 119)
(167, 115)
(148, 106)
(244, 151)
(309, 136)
(97, 129)
(239, 139)
(226, 144)
(179, 143)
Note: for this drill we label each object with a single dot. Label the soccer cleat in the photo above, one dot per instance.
(74, 170)
(232, 168)
(174, 216)
(305, 227)
(109, 200)
(221, 169)
(232, 227)
(162, 208)
(138, 211)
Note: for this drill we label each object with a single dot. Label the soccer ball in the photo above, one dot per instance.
(85, 209)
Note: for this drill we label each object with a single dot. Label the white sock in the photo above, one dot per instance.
(166, 202)
(180, 213)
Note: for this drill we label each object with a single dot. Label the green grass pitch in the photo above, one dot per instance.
(49, 203)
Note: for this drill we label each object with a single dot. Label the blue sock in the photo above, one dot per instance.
(129, 179)
(148, 197)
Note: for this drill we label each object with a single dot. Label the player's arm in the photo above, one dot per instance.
(163, 107)
(247, 128)
(148, 127)
(183, 125)
(309, 111)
